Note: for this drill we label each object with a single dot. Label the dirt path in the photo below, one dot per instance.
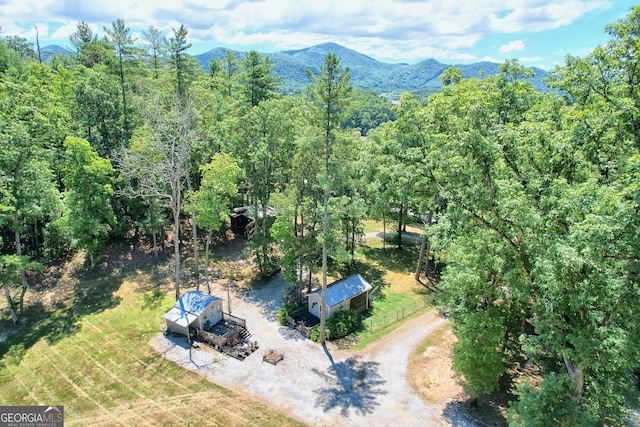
(320, 386)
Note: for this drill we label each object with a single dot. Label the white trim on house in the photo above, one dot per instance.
(193, 309)
(339, 295)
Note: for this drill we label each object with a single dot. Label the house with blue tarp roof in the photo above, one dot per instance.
(351, 293)
(194, 309)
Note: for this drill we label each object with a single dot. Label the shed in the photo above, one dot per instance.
(243, 219)
(351, 293)
(193, 309)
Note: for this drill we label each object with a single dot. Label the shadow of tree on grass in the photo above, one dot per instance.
(403, 261)
(371, 273)
(54, 324)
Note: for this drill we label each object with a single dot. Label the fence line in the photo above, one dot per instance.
(375, 323)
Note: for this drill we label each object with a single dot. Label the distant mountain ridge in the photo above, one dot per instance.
(366, 72)
(291, 66)
(53, 49)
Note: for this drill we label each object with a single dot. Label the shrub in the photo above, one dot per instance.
(339, 325)
(282, 313)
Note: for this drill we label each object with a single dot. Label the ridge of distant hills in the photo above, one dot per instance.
(291, 66)
(53, 49)
(366, 72)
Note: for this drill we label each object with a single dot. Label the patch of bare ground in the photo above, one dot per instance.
(430, 372)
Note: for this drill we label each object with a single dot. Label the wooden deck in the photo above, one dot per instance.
(229, 336)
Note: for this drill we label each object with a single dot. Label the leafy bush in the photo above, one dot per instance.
(314, 335)
(282, 313)
(339, 325)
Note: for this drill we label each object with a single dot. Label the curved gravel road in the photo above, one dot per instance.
(321, 386)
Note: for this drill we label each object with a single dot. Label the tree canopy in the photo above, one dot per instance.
(529, 201)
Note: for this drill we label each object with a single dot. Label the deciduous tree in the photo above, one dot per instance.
(88, 194)
(209, 205)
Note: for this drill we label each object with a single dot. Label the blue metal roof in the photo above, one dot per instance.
(180, 317)
(195, 302)
(345, 289)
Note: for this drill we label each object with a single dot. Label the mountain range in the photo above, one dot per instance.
(366, 72)
(421, 78)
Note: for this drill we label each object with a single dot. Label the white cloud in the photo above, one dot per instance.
(530, 58)
(514, 46)
(445, 29)
(490, 59)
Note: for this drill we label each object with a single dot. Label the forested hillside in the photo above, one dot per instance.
(422, 78)
(530, 200)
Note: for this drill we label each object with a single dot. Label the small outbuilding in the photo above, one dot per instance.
(243, 219)
(351, 293)
(194, 309)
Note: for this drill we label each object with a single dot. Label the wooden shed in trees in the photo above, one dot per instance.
(194, 309)
(243, 219)
(351, 293)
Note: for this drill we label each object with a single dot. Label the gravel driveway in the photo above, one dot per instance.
(321, 386)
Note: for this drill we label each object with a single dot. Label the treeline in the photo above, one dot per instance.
(529, 200)
(130, 136)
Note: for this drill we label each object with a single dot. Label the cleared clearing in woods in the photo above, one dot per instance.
(105, 372)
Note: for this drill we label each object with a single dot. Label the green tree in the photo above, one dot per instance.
(28, 115)
(230, 68)
(88, 193)
(268, 140)
(399, 164)
(156, 48)
(367, 111)
(21, 46)
(225, 73)
(82, 35)
(156, 163)
(329, 91)
(122, 42)
(538, 244)
(209, 205)
(12, 269)
(97, 111)
(179, 58)
(257, 78)
(298, 222)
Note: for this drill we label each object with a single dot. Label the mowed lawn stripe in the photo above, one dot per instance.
(173, 410)
(106, 373)
(62, 371)
(30, 387)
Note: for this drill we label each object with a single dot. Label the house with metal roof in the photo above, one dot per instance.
(351, 293)
(194, 309)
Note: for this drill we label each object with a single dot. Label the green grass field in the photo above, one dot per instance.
(103, 370)
(89, 350)
(396, 294)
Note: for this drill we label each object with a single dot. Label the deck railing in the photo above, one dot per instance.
(290, 317)
(234, 319)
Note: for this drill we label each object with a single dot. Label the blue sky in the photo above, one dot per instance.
(536, 32)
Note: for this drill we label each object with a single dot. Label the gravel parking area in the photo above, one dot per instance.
(321, 386)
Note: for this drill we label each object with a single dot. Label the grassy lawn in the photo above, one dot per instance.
(397, 296)
(371, 226)
(88, 348)
(93, 356)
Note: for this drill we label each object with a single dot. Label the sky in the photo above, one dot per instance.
(536, 32)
